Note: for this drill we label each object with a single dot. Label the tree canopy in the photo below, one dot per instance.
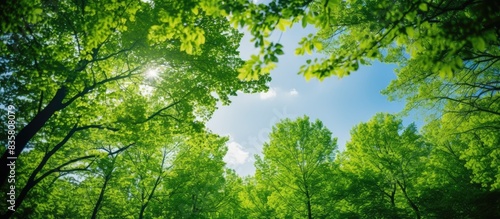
(296, 164)
(115, 95)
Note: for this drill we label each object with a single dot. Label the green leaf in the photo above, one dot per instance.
(479, 44)
(446, 71)
(423, 6)
(410, 32)
(283, 23)
(37, 11)
(299, 51)
(318, 45)
(273, 58)
(279, 52)
(195, 10)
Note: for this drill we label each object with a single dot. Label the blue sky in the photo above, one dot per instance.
(338, 103)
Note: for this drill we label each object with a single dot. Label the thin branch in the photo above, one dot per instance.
(87, 90)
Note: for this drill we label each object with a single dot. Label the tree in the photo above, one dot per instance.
(230, 205)
(467, 105)
(296, 166)
(386, 159)
(73, 68)
(148, 167)
(195, 185)
(253, 198)
(447, 189)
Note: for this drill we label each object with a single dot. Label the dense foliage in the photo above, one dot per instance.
(114, 96)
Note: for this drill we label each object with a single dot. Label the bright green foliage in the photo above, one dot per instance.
(112, 97)
(467, 105)
(90, 48)
(441, 36)
(385, 161)
(446, 189)
(254, 196)
(393, 172)
(296, 167)
(448, 62)
(479, 131)
(77, 73)
(195, 184)
(184, 177)
(447, 54)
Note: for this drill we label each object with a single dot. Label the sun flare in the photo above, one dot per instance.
(152, 73)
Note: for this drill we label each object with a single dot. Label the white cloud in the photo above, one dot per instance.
(268, 95)
(235, 154)
(294, 92)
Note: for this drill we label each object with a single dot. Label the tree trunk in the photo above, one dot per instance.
(31, 180)
(27, 133)
(410, 202)
(309, 210)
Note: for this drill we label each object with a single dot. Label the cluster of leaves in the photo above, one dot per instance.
(442, 36)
